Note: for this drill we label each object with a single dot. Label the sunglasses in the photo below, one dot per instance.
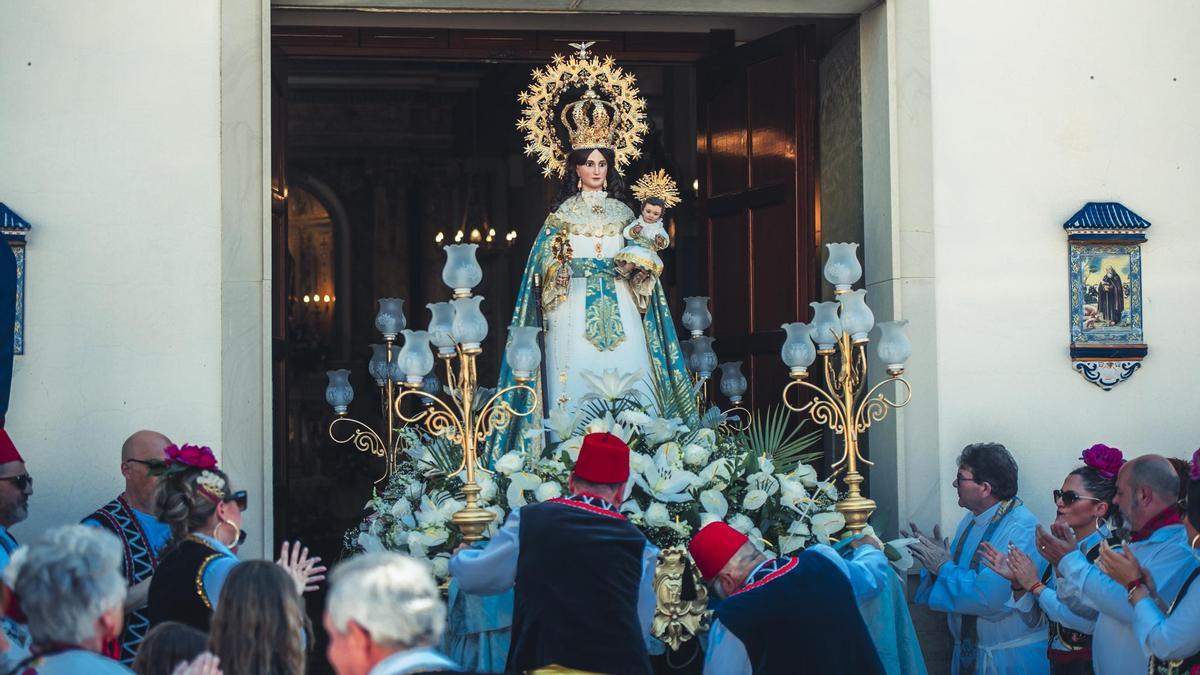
(238, 497)
(152, 464)
(21, 482)
(1069, 497)
(241, 538)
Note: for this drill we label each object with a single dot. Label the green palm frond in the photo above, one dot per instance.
(773, 434)
(668, 403)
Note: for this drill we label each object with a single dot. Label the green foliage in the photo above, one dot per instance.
(773, 434)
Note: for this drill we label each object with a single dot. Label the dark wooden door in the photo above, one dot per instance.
(756, 122)
(279, 279)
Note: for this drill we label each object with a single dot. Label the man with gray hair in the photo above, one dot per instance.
(1147, 496)
(384, 615)
(72, 592)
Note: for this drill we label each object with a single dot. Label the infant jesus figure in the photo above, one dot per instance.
(638, 262)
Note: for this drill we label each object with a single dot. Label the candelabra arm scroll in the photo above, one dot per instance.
(874, 408)
(824, 410)
(497, 413)
(362, 437)
(438, 419)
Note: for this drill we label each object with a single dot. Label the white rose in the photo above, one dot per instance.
(754, 500)
(633, 418)
(791, 492)
(639, 462)
(441, 566)
(401, 508)
(416, 546)
(487, 487)
(510, 463)
(547, 491)
(414, 490)
(695, 454)
(741, 523)
(657, 515)
(714, 502)
(705, 437)
(369, 542)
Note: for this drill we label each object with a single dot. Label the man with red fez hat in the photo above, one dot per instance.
(16, 486)
(582, 574)
(131, 516)
(779, 615)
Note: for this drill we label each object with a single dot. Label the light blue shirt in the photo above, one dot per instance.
(1006, 642)
(158, 533)
(1115, 649)
(493, 569)
(7, 546)
(1060, 602)
(866, 570)
(1174, 636)
(418, 660)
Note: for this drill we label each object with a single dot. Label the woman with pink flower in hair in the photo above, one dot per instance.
(1083, 504)
(197, 500)
(1169, 632)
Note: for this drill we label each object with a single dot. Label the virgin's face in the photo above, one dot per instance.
(593, 172)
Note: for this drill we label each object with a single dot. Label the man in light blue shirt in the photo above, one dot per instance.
(989, 636)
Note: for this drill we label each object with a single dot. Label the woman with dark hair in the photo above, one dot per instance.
(260, 625)
(1169, 634)
(166, 646)
(204, 512)
(1083, 504)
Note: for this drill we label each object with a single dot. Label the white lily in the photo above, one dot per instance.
(548, 491)
(571, 446)
(717, 473)
(706, 518)
(611, 385)
(791, 491)
(805, 474)
(561, 422)
(669, 454)
(796, 537)
(631, 507)
(741, 522)
(826, 524)
(715, 503)
(640, 462)
(510, 463)
(608, 425)
(634, 418)
(369, 542)
(665, 482)
(765, 465)
(754, 500)
(705, 437)
(662, 429)
(763, 481)
(401, 509)
(522, 482)
(828, 489)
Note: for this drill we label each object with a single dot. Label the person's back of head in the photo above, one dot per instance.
(166, 646)
(70, 586)
(378, 604)
(993, 464)
(259, 622)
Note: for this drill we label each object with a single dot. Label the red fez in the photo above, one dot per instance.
(713, 546)
(603, 459)
(8, 451)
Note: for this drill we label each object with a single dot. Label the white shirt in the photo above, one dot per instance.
(1174, 636)
(493, 569)
(726, 654)
(1006, 643)
(1115, 649)
(1060, 602)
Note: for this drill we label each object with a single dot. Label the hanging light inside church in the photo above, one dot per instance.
(306, 299)
(439, 238)
(491, 232)
(476, 235)
(326, 298)
(458, 236)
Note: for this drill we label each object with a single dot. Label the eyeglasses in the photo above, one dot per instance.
(959, 479)
(152, 464)
(241, 538)
(21, 482)
(240, 498)
(1069, 497)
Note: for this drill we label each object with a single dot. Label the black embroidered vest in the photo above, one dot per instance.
(799, 615)
(576, 596)
(1178, 666)
(141, 560)
(1079, 645)
(177, 590)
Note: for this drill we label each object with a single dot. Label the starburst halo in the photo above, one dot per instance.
(540, 100)
(657, 184)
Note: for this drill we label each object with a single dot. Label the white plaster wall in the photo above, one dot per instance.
(110, 145)
(1038, 107)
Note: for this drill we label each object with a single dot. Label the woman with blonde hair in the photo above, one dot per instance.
(198, 502)
(260, 625)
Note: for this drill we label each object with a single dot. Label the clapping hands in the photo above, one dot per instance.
(1057, 543)
(931, 552)
(1016, 565)
(305, 571)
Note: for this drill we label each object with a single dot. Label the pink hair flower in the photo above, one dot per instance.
(1105, 460)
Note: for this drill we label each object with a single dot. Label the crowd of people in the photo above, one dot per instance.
(151, 582)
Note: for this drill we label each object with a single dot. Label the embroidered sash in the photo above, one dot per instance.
(969, 632)
(591, 504)
(602, 314)
(140, 562)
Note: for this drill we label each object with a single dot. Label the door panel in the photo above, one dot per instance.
(756, 117)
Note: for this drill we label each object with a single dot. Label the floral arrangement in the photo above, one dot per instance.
(682, 478)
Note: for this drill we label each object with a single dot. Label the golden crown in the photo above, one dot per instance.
(658, 185)
(610, 114)
(590, 131)
(212, 483)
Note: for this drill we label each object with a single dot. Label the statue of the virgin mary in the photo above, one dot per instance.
(571, 287)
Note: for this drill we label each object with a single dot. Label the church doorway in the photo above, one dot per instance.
(390, 142)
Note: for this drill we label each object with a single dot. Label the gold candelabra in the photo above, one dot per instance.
(840, 330)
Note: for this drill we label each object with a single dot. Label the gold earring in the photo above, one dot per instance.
(1195, 539)
(237, 532)
(605, 183)
(579, 184)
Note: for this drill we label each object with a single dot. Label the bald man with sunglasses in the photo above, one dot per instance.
(131, 517)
